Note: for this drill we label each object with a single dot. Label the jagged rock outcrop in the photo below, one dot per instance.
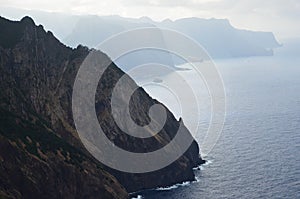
(41, 154)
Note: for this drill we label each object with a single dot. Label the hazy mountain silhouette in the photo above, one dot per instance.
(219, 38)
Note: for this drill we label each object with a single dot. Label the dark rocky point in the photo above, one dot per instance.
(41, 155)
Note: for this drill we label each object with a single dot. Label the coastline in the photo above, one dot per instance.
(139, 194)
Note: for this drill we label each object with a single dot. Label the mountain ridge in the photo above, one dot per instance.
(36, 124)
(221, 44)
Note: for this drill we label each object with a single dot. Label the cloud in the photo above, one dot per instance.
(167, 3)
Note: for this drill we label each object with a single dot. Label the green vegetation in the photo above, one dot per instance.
(15, 128)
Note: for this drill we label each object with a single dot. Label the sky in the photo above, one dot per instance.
(282, 17)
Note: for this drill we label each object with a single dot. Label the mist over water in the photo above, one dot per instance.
(257, 155)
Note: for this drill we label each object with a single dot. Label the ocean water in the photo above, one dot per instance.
(258, 153)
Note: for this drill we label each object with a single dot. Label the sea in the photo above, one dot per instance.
(258, 152)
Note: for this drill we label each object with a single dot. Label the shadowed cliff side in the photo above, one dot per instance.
(41, 154)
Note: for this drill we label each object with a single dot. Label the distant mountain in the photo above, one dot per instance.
(41, 155)
(222, 40)
(217, 36)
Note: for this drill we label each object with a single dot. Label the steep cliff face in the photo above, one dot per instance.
(41, 154)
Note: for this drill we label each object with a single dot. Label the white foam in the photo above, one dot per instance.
(179, 184)
(202, 166)
(173, 186)
(138, 197)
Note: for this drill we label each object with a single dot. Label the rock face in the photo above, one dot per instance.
(41, 155)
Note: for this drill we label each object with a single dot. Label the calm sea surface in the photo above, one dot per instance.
(258, 153)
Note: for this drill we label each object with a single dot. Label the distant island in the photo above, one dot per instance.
(217, 36)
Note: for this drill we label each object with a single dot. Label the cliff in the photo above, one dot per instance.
(41, 155)
(217, 36)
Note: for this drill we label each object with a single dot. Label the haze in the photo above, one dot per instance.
(278, 16)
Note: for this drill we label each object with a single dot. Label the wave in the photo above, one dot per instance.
(137, 197)
(202, 166)
(174, 186)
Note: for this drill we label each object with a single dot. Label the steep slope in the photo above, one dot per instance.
(38, 158)
(41, 154)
